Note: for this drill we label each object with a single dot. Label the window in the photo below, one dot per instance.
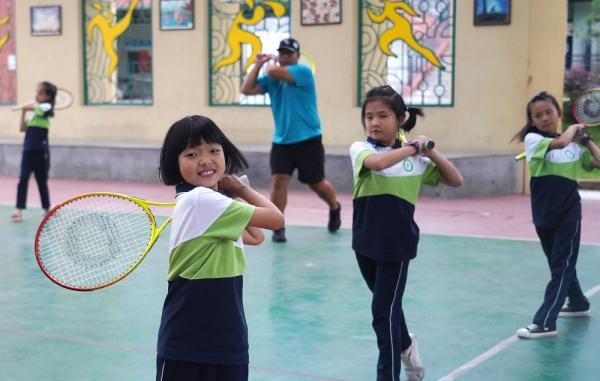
(8, 58)
(413, 54)
(118, 51)
(237, 33)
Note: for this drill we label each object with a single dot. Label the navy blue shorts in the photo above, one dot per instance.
(173, 370)
(308, 156)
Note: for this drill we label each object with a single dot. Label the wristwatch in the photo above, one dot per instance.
(415, 144)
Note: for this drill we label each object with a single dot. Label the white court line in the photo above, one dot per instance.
(496, 349)
(500, 237)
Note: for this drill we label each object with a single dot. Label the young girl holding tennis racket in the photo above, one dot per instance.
(203, 333)
(36, 153)
(387, 179)
(554, 160)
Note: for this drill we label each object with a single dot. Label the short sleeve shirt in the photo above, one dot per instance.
(203, 317)
(294, 105)
(36, 133)
(383, 225)
(554, 195)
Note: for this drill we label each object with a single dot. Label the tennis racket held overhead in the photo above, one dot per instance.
(96, 239)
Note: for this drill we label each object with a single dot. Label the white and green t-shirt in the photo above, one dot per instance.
(203, 315)
(554, 195)
(383, 225)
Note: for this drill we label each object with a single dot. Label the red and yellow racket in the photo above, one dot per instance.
(96, 239)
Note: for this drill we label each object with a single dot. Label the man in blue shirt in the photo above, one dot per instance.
(297, 140)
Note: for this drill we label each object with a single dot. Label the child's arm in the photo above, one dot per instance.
(22, 125)
(266, 215)
(595, 151)
(566, 137)
(449, 174)
(253, 236)
(377, 162)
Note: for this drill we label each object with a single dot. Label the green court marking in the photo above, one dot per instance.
(308, 312)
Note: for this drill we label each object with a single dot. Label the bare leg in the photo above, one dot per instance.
(279, 188)
(325, 190)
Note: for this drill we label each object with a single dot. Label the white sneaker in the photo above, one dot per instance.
(413, 367)
(533, 331)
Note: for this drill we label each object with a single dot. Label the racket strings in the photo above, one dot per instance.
(587, 108)
(93, 241)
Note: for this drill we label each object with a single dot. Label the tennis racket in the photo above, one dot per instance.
(96, 239)
(63, 100)
(585, 109)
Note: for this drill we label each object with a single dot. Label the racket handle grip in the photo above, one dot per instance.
(429, 145)
(245, 179)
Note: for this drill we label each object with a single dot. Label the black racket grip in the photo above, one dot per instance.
(429, 145)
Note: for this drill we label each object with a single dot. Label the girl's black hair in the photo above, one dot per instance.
(529, 127)
(395, 102)
(50, 90)
(189, 132)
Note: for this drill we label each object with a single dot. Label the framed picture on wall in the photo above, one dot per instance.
(321, 12)
(176, 14)
(491, 12)
(46, 20)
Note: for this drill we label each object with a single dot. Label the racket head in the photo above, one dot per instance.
(586, 108)
(94, 240)
(64, 99)
(307, 60)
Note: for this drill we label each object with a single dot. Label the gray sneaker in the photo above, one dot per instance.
(413, 367)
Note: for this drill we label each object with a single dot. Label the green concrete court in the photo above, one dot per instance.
(308, 313)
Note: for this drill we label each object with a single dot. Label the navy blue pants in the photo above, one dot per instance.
(173, 370)
(387, 281)
(37, 162)
(561, 247)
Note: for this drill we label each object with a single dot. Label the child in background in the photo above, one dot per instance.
(203, 333)
(387, 179)
(36, 152)
(554, 160)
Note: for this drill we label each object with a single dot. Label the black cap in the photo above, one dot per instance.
(290, 45)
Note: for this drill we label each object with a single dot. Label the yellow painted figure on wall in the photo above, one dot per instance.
(237, 36)
(4, 39)
(110, 32)
(401, 30)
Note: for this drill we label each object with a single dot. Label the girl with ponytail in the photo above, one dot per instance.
(36, 152)
(387, 179)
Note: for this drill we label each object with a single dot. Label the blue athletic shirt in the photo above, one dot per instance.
(294, 105)
(36, 133)
(383, 225)
(203, 317)
(554, 195)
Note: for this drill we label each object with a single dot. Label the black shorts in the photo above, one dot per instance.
(308, 156)
(173, 370)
